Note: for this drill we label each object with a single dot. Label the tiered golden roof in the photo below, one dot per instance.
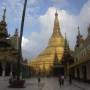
(55, 44)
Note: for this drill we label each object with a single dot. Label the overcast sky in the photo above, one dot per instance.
(40, 18)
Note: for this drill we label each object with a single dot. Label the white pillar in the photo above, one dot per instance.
(11, 69)
(3, 66)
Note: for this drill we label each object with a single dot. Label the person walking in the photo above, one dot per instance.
(39, 80)
(60, 81)
(70, 79)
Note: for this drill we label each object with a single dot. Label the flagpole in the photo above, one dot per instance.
(19, 83)
(20, 40)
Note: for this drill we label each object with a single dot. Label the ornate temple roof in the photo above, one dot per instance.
(7, 51)
(3, 25)
(14, 39)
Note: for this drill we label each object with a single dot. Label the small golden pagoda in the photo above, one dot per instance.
(44, 62)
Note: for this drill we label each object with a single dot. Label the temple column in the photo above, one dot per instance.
(78, 73)
(3, 69)
(7, 69)
(11, 69)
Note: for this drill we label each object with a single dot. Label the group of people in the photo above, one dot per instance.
(61, 80)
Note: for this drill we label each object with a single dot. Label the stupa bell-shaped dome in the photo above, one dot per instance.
(56, 42)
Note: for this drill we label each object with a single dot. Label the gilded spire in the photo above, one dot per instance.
(56, 29)
(66, 50)
(65, 40)
(56, 14)
(78, 31)
(66, 43)
(79, 35)
(56, 38)
(4, 14)
(16, 32)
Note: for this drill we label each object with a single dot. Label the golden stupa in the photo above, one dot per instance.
(45, 60)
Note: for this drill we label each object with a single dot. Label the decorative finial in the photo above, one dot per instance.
(4, 14)
(79, 35)
(78, 27)
(56, 14)
(78, 30)
(16, 32)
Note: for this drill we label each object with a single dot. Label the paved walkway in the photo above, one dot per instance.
(53, 84)
(46, 84)
(81, 85)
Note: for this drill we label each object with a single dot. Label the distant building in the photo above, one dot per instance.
(80, 69)
(67, 58)
(8, 49)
